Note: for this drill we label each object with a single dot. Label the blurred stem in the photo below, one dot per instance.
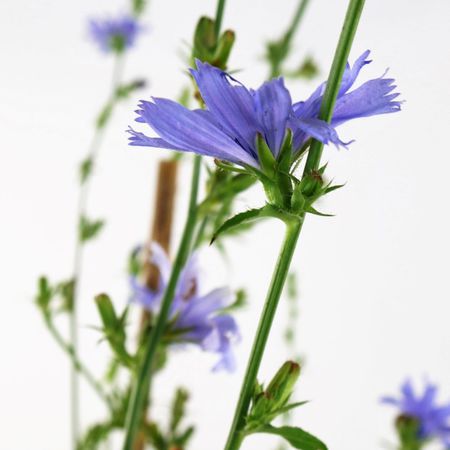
(144, 377)
(286, 39)
(79, 366)
(92, 157)
(236, 434)
(219, 16)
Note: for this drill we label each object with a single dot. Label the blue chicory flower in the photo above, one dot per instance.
(433, 418)
(115, 34)
(227, 129)
(195, 317)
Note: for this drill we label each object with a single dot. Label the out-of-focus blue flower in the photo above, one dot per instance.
(195, 317)
(115, 34)
(235, 115)
(433, 418)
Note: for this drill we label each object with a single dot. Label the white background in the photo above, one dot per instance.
(374, 291)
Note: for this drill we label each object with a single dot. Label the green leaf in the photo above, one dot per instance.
(297, 437)
(66, 290)
(95, 435)
(44, 294)
(114, 328)
(178, 409)
(138, 6)
(85, 169)
(240, 219)
(89, 229)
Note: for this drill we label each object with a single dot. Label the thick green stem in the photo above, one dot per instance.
(236, 434)
(335, 77)
(281, 271)
(78, 253)
(144, 376)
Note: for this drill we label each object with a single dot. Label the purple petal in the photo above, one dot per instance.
(273, 108)
(372, 98)
(350, 74)
(189, 131)
(231, 104)
(317, 129)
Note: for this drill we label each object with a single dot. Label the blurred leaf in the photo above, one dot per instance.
(114, 329)
(66, 290)
(85, 169)
(178, 410)
(44, 294)
(89, 229)
(297, 437)
(95, 435)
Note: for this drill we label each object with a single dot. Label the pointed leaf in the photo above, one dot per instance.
(240, 219)
(297, 437)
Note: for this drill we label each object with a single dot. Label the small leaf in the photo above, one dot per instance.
(240, 219)
(297, 437)
(178, 409)
(89, 229)
(85, 169)
(44, 294)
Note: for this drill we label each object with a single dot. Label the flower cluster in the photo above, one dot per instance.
(433, 418)
(235, 116)
(115, 34)
(195, 317)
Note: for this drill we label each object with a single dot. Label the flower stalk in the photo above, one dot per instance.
(86, 171)
(144, 377)
(236, 434)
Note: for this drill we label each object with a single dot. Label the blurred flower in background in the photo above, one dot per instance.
(432, 418)
(195, 317)
(115, 34)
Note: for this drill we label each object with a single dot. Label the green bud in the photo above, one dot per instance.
(208, 48)
(408, 432)
(268, 403)
(223, 49)
(312, 184)
(282, 384)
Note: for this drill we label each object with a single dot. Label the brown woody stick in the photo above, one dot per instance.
(160, 232)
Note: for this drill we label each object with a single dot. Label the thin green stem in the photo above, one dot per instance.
(144, 377)
(281, 271)
(219, 16)
(80, 367)
(286, 39)
(335, 77)
(236, 434)
(78, 252)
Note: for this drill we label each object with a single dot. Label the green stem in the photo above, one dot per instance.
(141, 387)
(80, 367)
(236, 435)
(78, 252)
(335, 77)
(287, 37)
(219, 16)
